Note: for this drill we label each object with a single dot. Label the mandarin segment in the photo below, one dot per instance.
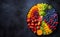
(39, 32)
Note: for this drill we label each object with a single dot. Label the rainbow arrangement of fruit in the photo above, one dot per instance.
(42, 19)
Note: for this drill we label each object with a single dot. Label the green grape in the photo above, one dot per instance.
(44, 6)
(42, 13)
(41, 28)
(49, 7)
(43, 23)
(44, 33)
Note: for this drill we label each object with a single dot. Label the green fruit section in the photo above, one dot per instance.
(42, 8)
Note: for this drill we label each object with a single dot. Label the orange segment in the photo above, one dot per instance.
(39, 32)
(33, 9)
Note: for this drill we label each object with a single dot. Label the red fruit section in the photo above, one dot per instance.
(34, 20)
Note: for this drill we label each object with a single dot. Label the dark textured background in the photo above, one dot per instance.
(13, 17)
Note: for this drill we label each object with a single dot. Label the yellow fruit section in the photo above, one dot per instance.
(47, 29)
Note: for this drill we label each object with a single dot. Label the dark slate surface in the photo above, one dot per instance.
(13, 17)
